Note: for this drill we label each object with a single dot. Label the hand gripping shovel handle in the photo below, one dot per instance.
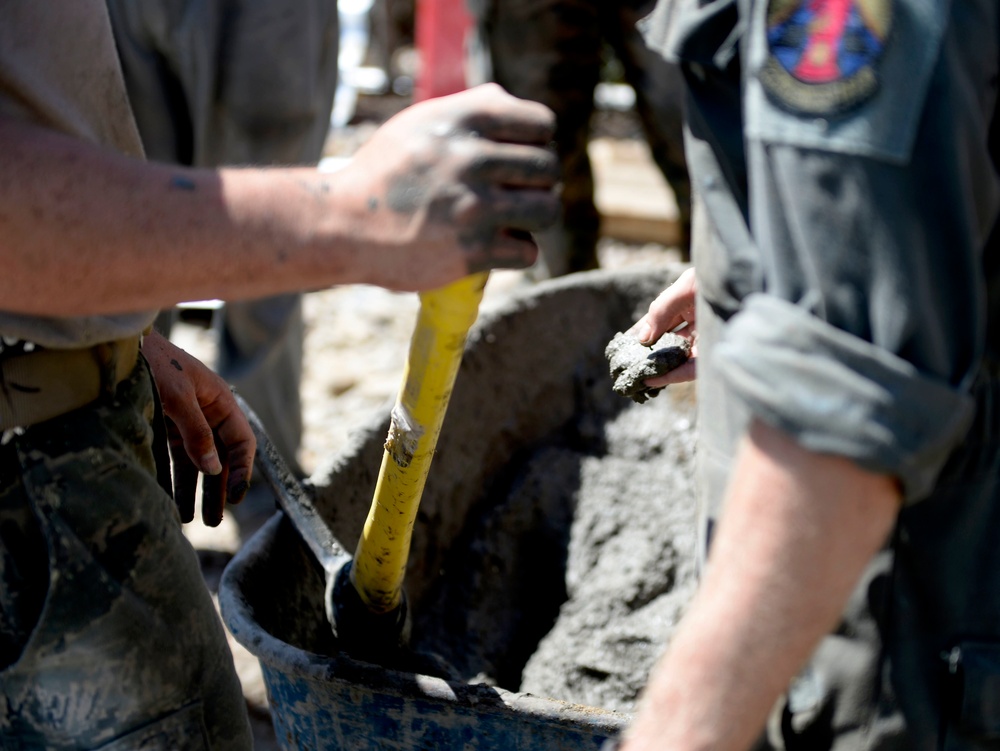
(436, 348)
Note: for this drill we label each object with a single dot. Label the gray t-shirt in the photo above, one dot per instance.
(59, 68)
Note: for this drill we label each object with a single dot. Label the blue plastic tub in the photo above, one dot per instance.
(520, 379)
(322, 701)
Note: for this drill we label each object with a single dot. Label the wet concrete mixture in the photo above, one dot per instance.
(595, 524)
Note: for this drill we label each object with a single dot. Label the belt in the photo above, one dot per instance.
(45, 383)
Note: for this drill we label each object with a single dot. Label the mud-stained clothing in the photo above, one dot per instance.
(552, 51)
(847, 157)
(108, 636)
(238, 83)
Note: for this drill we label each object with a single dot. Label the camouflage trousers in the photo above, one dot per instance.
(108, 636)
(552, 51)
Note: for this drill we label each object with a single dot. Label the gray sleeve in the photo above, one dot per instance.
(838, 394)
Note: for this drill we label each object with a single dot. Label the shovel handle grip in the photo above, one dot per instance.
(436, 347)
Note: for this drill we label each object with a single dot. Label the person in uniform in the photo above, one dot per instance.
(108, 636)
(846, 307)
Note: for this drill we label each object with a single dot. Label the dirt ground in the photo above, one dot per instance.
(605, 639)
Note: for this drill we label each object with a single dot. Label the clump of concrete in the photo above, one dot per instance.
(632, 363)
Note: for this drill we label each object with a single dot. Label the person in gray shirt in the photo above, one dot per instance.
(846, 308)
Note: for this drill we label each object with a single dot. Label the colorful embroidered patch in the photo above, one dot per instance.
(824, 54)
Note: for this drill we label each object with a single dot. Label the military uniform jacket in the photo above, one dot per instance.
(846, 153)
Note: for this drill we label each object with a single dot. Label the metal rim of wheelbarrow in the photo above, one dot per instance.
(272, 651)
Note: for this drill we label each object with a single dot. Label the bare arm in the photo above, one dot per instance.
(797, 531)
(448, 187)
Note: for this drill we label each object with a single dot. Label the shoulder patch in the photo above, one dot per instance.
(823, 55)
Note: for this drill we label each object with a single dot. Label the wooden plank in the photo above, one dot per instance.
(635, 202)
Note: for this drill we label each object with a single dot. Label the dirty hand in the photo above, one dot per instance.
(674, 307)
(208, 431)
(452, 186)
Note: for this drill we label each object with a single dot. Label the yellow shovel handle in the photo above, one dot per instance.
(436, 348)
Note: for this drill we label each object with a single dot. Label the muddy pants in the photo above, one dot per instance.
(552, 51)
(108, 636)
(238, 83)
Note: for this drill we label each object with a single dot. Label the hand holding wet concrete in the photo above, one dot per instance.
(632, 363)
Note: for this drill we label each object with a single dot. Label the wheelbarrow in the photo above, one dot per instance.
(527, 365)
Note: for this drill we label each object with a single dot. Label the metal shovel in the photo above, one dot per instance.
(364, 598)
